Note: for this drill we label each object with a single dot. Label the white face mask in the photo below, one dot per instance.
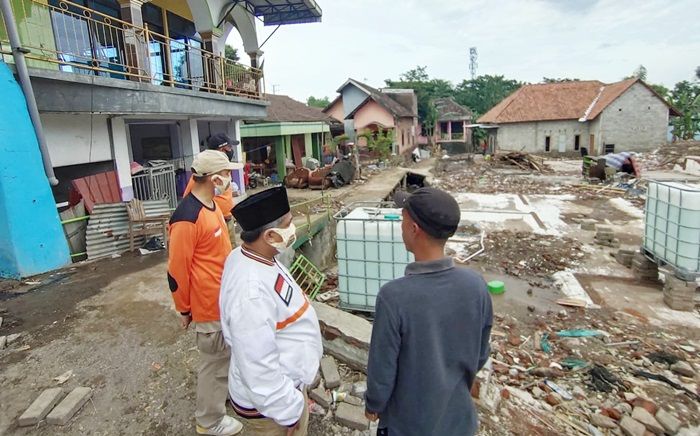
(288, 235)
(225, 183)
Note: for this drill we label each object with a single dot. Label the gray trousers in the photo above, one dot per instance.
(212, 378)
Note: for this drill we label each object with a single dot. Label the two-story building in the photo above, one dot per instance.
(122, 81)
(117, 84)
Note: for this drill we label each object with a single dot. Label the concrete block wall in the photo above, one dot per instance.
(531, 137)
(636, 121)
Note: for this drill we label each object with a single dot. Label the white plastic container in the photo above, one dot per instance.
(370, 253)
(672, 225)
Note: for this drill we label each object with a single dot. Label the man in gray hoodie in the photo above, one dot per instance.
(431, 330)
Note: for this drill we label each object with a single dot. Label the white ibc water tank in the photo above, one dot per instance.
(370, 253)
(672, 224)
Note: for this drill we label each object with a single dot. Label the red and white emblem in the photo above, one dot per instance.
(283, 289)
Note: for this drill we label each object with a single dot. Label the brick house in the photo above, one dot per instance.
(567, 116)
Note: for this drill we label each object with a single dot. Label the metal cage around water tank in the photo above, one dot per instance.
(370, 252)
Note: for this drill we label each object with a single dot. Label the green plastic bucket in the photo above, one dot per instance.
(496, 287)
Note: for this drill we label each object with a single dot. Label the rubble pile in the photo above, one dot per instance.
(668, 156)
(524, 161)
(529, 254)
(337, 401)
(582, 373)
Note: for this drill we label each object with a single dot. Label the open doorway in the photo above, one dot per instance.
(157, 162)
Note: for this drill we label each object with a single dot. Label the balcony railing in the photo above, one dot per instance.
(73, 38)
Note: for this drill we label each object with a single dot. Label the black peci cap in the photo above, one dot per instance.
(262, 208)
(435, 211)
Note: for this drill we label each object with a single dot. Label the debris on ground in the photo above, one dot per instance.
(530, 254)
(585, 376)
(524, 161)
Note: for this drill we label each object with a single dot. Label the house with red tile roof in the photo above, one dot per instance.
(567, 116)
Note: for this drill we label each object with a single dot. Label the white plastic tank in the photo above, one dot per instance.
(370, 253)
(672, 224)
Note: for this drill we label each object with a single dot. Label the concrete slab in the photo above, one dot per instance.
(345, 336)
(40, 407)
(321, 396)
(351, 416)
(331, 376)
(69, 406)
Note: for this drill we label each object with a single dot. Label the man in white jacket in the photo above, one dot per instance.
(268, 322)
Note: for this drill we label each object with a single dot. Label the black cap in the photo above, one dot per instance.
(262, 208)
(436, 212)
(218, 140)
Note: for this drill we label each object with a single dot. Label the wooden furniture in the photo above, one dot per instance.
(142, 225)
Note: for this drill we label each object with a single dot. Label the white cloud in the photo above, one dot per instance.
(523, 40)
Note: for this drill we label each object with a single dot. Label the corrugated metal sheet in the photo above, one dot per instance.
(108, 227)
(100, 188)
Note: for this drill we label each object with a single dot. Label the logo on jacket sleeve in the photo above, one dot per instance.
(283, 289)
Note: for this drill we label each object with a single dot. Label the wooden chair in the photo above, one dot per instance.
(142, 225)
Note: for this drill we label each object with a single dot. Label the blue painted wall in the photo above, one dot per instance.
(352, 98)
(31, 235)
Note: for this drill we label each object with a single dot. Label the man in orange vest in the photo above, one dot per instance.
(199, 245)
(224, 195)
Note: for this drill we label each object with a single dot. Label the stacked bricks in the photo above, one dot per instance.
(625, 256)
(679, 294)
(605, 236)
(644, 269)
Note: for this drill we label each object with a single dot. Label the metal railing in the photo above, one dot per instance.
(156, 183)
(70, 37)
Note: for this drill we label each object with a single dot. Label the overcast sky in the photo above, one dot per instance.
(373, 40)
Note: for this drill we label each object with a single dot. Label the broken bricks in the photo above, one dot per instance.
(351, 416)
(679, 294)
(625, 256)
(643, 268)
(606, 237)
(330, 372)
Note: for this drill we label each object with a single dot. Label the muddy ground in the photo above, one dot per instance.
(113, 325)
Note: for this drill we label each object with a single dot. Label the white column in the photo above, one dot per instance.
(233, 130)
(189, 135)
(120, 147)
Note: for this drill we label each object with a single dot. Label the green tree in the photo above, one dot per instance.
(431, 118)
(231, 53)
(661, 90)
(426, 89)
(640, 73)
(686, 98)
(381, 142)
(318, 102)
(484, 92)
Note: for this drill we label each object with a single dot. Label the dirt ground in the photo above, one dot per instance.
(112, 322)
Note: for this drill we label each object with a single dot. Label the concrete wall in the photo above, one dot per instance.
(409, 127)
(76, 139)
(31, 236)
(636, 121)
(531, 137)
(372, 113)
(336, 111)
